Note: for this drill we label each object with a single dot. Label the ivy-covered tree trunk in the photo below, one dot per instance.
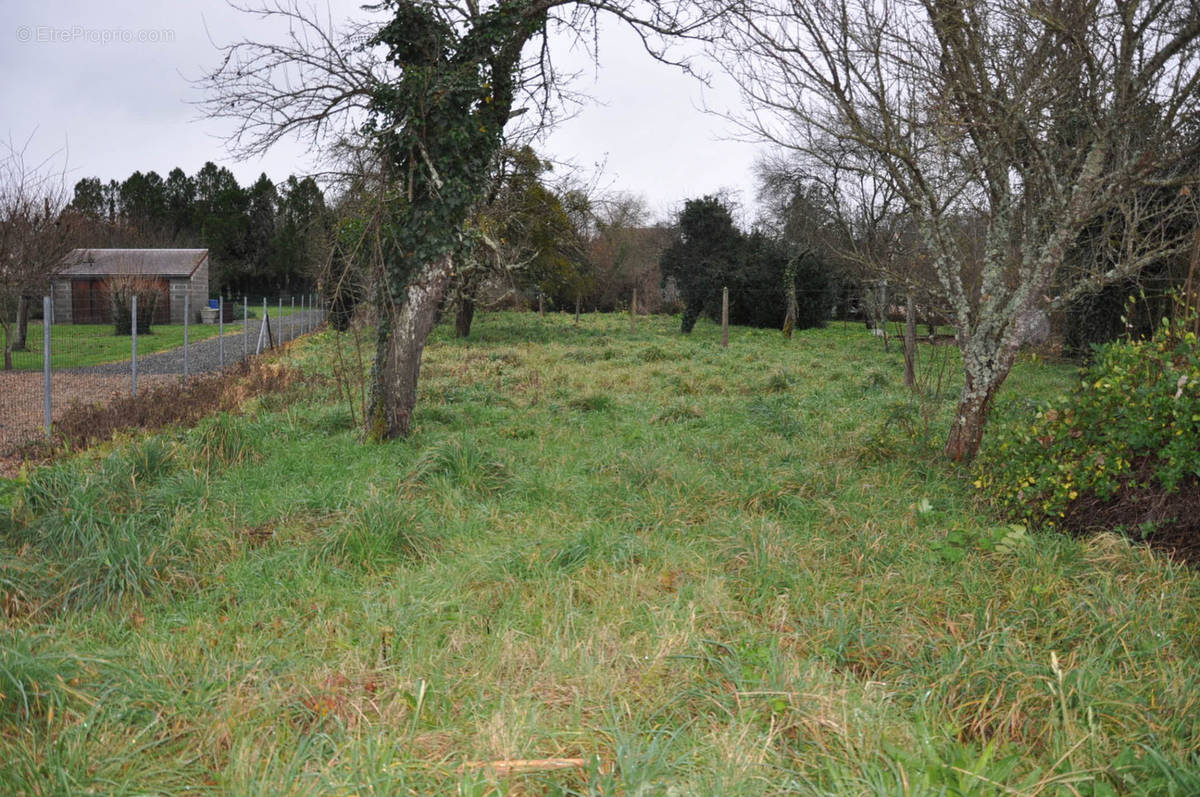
(400, 344)
(438, 126)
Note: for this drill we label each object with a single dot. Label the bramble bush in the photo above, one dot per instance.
(1129, 429)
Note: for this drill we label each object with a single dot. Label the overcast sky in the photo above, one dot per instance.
(108, 84)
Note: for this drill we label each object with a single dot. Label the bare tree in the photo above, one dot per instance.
(624, 248)
(433, 87)
(35, 236)
(1023, 118)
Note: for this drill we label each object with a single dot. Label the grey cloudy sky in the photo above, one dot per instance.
(108, 83)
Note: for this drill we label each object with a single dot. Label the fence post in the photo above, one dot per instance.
(725, 318)
(221, 333)
(279, 321)
(186, 327)
(292, 320)
(46, 320)
(910, 341)
(245, 326)
(633, 312)
(261, 330)
(133, 343)
(577, 302)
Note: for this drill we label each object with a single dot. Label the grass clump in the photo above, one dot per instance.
(96, 530)
(779, 382)
(462, 462)
(654, 354)
(592, 402)
(36, 679)
(380, 534)
(225, 440)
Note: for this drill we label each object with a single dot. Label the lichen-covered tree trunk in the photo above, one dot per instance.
(793, 306)
(22, 325)
(986, 363)
(400, 344)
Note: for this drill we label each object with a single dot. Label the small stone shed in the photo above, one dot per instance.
(79, 291)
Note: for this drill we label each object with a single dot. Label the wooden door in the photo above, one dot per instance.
(89, 301)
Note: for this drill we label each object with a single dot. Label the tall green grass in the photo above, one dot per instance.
(698, 570)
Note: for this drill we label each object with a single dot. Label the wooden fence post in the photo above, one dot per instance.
(725, 318)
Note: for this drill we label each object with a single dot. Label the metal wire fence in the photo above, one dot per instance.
(62, 364)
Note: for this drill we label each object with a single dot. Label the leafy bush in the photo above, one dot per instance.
(1128, 434)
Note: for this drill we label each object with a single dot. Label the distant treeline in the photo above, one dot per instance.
(265, 239)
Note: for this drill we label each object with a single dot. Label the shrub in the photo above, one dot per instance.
(121, 288)
(1117, 448)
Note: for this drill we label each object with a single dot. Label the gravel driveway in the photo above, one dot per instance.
(205, 355)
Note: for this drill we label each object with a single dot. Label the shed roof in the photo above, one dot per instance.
(145, 262)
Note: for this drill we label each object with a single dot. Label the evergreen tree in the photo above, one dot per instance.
(143, 203)
(222, 214)
(261, 240)
(89, 198)
(702, 256)
(179, 191)
(301, 234)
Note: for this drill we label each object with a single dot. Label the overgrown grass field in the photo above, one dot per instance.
(700, 571)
